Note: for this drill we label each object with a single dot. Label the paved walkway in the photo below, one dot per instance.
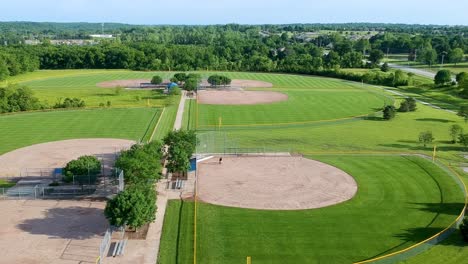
(147, 251)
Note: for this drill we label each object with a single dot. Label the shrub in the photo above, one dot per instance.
(389, 112)
(385, 67)
(85, 169)
(464, 229)
(156, 80)
(426, 137)
(408, 105)
(216, 80)
(443, 77)
(70, 103)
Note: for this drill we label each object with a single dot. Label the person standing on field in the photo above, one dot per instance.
(220, 160)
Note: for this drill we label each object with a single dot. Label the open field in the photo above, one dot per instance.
(51, 231)
(389, 187)
(24, 129)
(309, 99)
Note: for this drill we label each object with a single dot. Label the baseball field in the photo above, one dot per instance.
(396, 196)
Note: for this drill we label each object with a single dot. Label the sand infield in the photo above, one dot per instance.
(273, 183)
(135, 83)
(240, 97)
(57, 154)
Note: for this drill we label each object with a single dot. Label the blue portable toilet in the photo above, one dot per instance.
(172, 85)
(193, 164)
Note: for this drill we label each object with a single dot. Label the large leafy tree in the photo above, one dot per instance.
(443, 77)
(375, 56)
(456, 55)
(134, 207)
(426, 137)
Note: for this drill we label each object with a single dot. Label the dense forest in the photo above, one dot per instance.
(265, 48)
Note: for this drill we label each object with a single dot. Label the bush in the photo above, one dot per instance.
(156, 80)
(464, 229)
(443, 77)
(426, 137)
(408, 105)
(70, 103)
(175, 91)
(85, 169)
(216, 80)
(385, 67)
(18, 98)
(389, 112)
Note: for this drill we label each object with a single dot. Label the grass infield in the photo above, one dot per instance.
(367, 226)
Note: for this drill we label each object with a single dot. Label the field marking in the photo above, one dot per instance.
(157, 124)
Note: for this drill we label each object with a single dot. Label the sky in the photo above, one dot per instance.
(448, 12)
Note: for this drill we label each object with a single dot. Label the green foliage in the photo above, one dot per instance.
(389, 112)
(462, 77)
(134, 207)
(180, 77)
(426, 137)
(181, 146)
(216, 80)
(427, 56)
(375, 56)
(463, 139)
(141, 163)
(85, 169)
(463, 112)
(408, 105)
(443, 77)
(156, 80)
(455, 132)
(464, 229)
(456, 55)
(70, 103)
(175, 91)
(18, 98)
(385, 67)
(191, 84)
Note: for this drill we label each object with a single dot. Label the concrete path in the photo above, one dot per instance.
(147, 251)
(416, 71)
(180, 112)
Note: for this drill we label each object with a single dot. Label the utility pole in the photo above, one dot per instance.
(443, 55)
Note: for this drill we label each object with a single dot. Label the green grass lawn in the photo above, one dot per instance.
(369, 225)
(20, 130)
(6, 184)
(310, 99)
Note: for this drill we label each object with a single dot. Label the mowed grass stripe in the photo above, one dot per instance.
(390, 187)
(20, 130)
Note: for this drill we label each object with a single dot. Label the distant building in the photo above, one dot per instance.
(102, 36)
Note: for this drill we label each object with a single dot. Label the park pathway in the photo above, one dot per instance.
(416, 71)
(147, 251)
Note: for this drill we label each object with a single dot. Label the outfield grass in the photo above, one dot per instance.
(369, 225)
(310, 99)
(20, 130)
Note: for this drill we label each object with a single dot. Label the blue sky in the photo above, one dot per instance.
(450, 12)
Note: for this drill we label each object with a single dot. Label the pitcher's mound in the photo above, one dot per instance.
(240, 97)
(274, 183)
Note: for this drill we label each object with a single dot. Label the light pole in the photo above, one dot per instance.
(443, 56)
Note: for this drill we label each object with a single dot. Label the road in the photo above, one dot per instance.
(420, 72)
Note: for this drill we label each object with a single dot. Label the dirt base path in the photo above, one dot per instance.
(274, 183)
(240, 97)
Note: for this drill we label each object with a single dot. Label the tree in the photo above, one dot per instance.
(426, 137)
(181, 146)
(443, 77)
(375, 56)
(464, 229)
(463, 139)
(216, 80)
(463, 112)
(156, 80)
(181, 77)
(456, 55)
(85, 169)
(134, 207)
(408, 105)
(389, 112)
(428, 56)
(455, 132)
(385, 67)
(462, 77)
(191, 84)
(4, 72)
(400, 78)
